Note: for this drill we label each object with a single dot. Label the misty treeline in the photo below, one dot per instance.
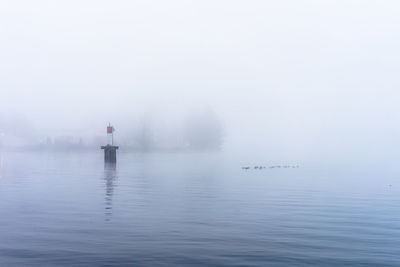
(197, 131)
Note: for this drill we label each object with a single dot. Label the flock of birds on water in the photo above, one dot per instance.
(270, 167)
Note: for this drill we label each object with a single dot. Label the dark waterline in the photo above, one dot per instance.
(193, 209)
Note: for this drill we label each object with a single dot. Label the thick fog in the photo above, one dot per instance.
(292, 79)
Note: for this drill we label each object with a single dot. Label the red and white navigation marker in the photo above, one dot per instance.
(110, 135)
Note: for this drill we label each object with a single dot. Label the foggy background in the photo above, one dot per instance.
(300, 80)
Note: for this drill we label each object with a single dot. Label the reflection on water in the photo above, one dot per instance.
(193, 209)
(1, 165)
(110, 177)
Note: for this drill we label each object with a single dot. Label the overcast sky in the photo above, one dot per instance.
(302, 77)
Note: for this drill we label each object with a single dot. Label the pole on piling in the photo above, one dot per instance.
(110, 151)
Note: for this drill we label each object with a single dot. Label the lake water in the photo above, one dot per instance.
(194, 209)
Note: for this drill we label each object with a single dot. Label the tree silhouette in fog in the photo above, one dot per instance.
(144, 137)
(203, 131)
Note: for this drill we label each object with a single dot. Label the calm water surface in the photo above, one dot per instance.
(194, 209)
